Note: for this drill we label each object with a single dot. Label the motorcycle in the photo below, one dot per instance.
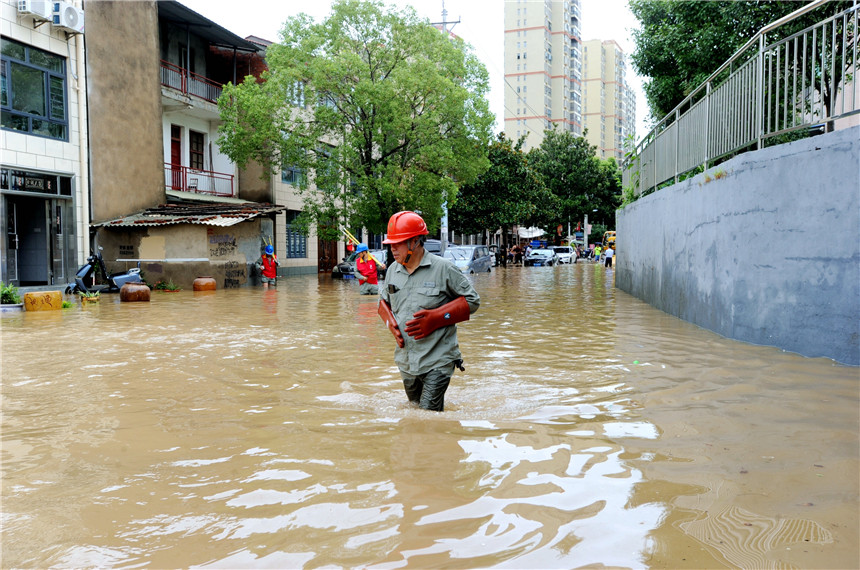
(111, 283)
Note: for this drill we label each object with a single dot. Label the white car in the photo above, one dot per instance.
(565, 253)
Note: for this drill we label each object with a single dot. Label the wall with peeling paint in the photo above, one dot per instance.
(764, 248)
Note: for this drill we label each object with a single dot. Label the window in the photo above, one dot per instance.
(292, 175)
(327, 174)
(195, 150)
(327, 100)
(297, 243)
(296, 94)
(33, 91)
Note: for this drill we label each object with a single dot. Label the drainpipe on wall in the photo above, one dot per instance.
(84, 190)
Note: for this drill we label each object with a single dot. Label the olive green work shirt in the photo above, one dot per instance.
(435, 282)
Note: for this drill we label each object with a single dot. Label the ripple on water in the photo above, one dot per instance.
(245, 429)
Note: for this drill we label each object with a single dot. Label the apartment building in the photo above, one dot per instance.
(44, 203)
(112, 143)
(609, 103)
(543, 68)
(163, 192)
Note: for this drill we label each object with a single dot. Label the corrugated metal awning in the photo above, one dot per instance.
(209, 214)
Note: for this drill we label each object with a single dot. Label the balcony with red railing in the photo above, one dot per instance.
(185, 179)
(189, 83)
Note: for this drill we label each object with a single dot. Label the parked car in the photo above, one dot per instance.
(565, 253)
(433, 246)
(470, 258)
(540, 257)
(346, 268)
(495, 251)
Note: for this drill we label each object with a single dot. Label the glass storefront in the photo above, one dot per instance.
(38, 228)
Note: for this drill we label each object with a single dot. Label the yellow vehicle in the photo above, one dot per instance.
(609, 239)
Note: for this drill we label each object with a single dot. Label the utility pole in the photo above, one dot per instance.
(585, 234)
(443, 232)
(444, 23)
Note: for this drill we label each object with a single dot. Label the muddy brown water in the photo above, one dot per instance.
(269, 429)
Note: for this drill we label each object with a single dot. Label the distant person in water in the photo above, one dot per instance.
(267, 265)
(367, 271)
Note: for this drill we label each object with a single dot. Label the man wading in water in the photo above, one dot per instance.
(423, 296)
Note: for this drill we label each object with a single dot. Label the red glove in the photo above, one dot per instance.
(387, 316)
(428, 320)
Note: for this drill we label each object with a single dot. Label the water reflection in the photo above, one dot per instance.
(251, 428)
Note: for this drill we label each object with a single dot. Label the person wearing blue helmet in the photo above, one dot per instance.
(366, 271)
(267, 265)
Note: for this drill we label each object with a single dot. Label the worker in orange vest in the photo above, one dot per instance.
(366, 271)
(267, 265)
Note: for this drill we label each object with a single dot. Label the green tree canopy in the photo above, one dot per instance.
(680, 44)
(508, 193)
(582, 182)
(379, 108)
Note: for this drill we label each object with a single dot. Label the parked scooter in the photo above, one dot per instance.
(110, 283)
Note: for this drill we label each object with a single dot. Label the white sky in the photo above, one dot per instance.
(481, 24)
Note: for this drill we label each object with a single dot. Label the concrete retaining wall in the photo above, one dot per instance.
(767, 253)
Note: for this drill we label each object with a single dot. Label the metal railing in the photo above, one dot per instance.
(189, 82)
(185, 179)
(804, 80)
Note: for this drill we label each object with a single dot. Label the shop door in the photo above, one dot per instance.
(327, 255)
(11, 269)
(34, 244)
(61, 242)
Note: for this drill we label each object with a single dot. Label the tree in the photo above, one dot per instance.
(680, 44)
(608, 196)
(582, 182)
(508, 193)
(396, 115)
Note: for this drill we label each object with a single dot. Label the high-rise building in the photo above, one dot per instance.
(543, 68)
(609, 104)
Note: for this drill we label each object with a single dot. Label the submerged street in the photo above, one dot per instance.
(248, 428)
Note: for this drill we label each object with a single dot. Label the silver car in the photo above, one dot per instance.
(470, 258)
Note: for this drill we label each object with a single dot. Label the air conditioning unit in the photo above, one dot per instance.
(68, 17)
(38, 9)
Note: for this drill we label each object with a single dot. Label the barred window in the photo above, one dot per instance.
(297, 242)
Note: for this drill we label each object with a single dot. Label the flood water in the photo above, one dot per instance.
(269, 429)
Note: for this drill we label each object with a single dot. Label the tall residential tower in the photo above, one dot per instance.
(609, 104)
(543, 68)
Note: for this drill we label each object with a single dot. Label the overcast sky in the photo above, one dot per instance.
(481, 24)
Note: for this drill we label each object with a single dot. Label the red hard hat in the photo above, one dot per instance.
(405, 225)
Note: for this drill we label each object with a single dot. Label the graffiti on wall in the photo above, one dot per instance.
(234, 274)
(222, 245)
